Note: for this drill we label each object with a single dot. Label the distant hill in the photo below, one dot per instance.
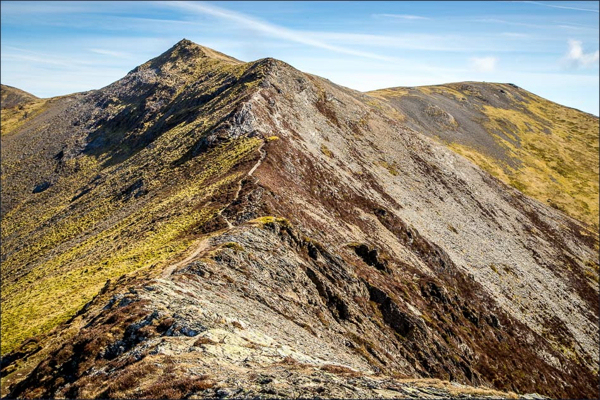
(12, 97)
(17, 107)
(545, 150)
(205, 227)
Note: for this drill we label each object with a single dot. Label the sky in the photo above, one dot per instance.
(548, 48)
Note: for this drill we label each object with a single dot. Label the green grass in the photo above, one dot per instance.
(392, 168)
(56, 288)
(13, 118)
(560, 168)
(60, 252)
(325, 150)
(234, 246)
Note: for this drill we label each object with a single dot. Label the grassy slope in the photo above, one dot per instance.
(12, 97)
(71, 249)
(17, 107)
(555, 147)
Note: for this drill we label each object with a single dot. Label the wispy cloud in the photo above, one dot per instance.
(528, 25)
(157, 20)
(576, 58)
(111, 53)
(402, 16)
(408, 41)
(501, 21)
(563, 7)
(514, 35)
(483, 64)
(273, 30)
(16, 53)
(22, 7)
(74, 46)
(35, 59)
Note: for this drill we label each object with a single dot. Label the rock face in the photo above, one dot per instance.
(215, 228)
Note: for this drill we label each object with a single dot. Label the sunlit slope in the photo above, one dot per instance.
(13, 97)
(111, 181)
(546, 150)
(17, 107)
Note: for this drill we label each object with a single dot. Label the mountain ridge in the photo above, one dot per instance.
(372, 246)
(474, 82)
(540, 147)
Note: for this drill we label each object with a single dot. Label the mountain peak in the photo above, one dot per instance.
(186, 47)
(183, 55)
(183, 43)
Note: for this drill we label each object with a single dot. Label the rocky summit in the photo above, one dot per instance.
(206, 227)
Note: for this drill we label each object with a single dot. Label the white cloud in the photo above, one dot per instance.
(537, 26)
(483, 64)
(575, 56)
(402, 16)
(275, 31)
(21, 8)
(409, 41)
(563, 7)
(110, 53)
(514, 35)
(18, 54)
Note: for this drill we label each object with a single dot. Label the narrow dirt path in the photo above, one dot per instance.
(263, 154)
(203, 244)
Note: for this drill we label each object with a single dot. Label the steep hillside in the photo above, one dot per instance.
(211, 227)
(547, 151)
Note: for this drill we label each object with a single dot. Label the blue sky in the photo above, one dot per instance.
(549, 48)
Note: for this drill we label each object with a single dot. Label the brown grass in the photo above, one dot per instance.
(176, 388)
(340, 370)
(204, 340)
(456, 391)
